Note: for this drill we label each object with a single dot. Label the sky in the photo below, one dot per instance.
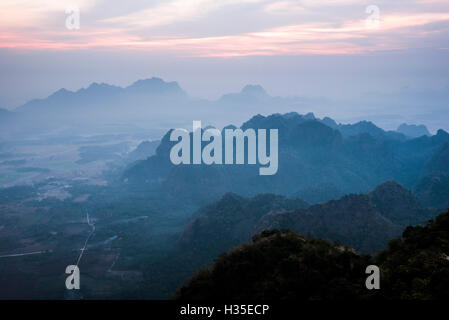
(336, 49)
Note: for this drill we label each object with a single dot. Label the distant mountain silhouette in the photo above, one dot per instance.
(101, 93)
(249, 93)
(160, 105)
(63, 99)
(156, 86)
(151, 105)
(413, 131)
(102, 107)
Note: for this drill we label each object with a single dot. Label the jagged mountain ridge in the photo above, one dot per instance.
(413, 131)
(363, 221)
(101, 93)
(157, 103)
(311, 154)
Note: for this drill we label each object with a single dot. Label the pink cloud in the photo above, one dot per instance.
(306, 38)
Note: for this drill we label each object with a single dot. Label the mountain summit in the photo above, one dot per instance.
(249, 93)
(413, 131)
(155, 86)
(254, 90)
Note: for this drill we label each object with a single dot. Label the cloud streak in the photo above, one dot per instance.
(311, 32)
(172, 12)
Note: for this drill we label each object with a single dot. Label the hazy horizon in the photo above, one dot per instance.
(368, 105)
(387, 62)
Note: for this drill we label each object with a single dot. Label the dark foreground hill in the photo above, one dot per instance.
(281, 265)
(416, 266)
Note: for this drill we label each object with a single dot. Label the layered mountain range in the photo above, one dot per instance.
(364, 221)
(149, 105)
(100, 106)
(354, 184)
(283, 265)
(317, 162)
(158, 105)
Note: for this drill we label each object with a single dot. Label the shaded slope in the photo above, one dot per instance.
(281, 265)
(230, 221)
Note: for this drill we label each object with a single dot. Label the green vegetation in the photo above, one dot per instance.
(281, 265)
(285, 265)
(417, 266)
